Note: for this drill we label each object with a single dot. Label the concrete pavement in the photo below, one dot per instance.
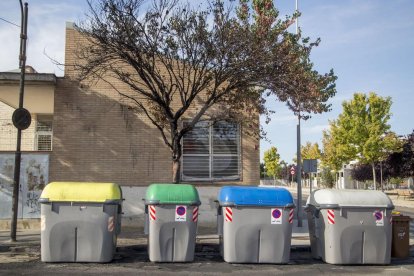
(23, 258)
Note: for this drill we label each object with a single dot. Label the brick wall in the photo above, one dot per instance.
(8, 132)
(96, 138)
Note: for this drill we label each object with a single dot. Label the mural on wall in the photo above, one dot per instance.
(34, 175)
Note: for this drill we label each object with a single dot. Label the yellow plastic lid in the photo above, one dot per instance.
(81, 192)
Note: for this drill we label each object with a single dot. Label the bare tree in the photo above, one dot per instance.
(172, 56)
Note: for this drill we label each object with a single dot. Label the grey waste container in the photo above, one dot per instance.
(350, 226)
(255, 224)
(171, 222)
(80, 221)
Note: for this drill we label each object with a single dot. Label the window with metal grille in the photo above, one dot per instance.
(212, 152)
(44, 132)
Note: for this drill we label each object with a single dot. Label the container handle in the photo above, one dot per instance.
(151, 202)
(112, 201)
(328, 206)
(43, 200)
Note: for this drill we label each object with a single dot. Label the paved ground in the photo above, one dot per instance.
(23, 258)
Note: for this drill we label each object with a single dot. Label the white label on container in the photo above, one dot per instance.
(180, 213)
(276, 216)
(379, 218)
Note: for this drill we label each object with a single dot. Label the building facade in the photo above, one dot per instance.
(98, 137)
(81, 133)
(36, 143)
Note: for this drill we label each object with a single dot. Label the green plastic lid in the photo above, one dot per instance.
(184, 194)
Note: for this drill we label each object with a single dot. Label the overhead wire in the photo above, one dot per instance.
(7, 21)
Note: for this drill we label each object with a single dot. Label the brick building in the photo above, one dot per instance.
(97, 137)
(90, 133)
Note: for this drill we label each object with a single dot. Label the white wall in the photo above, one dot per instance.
(34, 174)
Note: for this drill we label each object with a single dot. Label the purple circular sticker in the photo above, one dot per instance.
(180, 211)
(378, 215)
(276, 213)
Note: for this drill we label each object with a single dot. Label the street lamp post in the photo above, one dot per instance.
(299, 165)
(382, 185)
(299, 176)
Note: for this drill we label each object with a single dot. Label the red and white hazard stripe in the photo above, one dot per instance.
(195, 214)
(291, 212)
(331, 216)
(152, 212)
(111, 224)
(228, 214)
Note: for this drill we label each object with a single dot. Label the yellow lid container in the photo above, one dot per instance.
(81, 192)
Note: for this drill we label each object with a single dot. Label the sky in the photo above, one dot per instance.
(369, 44)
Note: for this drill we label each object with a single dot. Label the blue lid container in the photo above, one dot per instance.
(255, 196)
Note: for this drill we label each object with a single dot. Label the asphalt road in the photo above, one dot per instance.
(133, 260)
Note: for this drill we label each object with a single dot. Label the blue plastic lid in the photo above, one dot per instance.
(255, 196)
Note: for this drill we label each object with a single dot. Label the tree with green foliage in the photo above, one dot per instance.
(262, 171)
(311, 151)
(330, 157)
(327, 177)
(271, 160)
(361, 132)
(284, 171)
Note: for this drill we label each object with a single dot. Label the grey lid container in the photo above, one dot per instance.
(350, 226)
(332, 198)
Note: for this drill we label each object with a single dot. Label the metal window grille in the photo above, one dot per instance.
(44, 132)
(212, 152)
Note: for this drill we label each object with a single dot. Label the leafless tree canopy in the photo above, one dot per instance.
(172, 55)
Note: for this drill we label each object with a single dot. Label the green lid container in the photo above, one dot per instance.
(185, 194)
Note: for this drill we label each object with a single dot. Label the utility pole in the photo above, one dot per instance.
(299, 176)
(21, 119)
(297, 19)
(299, 157)
(382, 185)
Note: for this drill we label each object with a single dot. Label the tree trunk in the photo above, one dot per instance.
(382, 184)
(176, 171)
(374, 176)
(176, 152)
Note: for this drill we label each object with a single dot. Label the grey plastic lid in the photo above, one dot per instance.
(333, 198)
